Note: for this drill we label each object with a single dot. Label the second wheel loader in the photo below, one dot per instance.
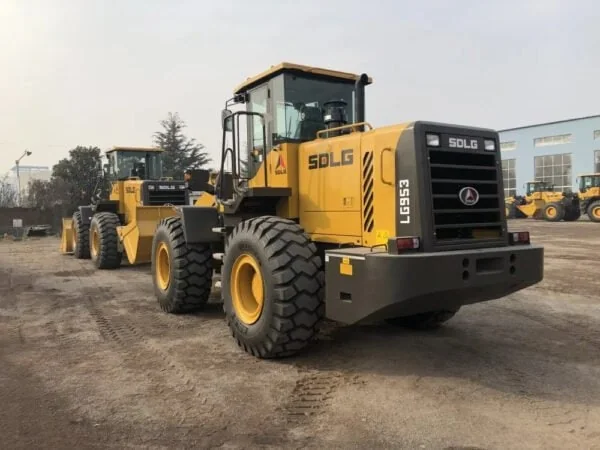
(124, 223)
(335, 219)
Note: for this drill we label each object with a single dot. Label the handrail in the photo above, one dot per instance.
(343, 127)
(383, 180)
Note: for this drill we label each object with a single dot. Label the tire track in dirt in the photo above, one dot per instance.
(317, 386)
(134, 347)
(312, 394)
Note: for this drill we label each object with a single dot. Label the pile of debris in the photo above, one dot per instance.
(33, 231)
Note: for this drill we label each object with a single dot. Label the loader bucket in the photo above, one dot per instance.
(530, 210)
(66, 239)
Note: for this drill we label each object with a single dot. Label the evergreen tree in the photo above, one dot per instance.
(181, 152)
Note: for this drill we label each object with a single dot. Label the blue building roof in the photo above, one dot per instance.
(550, 123)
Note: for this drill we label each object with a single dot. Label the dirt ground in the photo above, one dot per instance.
(87, 360)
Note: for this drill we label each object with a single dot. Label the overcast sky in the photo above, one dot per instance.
(106, 72)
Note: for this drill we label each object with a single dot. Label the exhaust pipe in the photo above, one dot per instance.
(359, 102)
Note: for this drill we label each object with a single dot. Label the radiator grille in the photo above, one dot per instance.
(369, 221)
(454, 222)
(162, 194)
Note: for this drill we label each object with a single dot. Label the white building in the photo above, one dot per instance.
(27, 174)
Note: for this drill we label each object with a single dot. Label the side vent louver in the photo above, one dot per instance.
(369, 221)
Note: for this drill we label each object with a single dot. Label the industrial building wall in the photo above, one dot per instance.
(555, 152)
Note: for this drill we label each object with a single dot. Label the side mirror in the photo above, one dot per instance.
(227, 120)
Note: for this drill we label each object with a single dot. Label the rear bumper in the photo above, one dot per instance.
(367, 286)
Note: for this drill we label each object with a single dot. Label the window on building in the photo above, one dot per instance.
(596, 134)
(555, 169)
(553, 140)
(508, 146)
(509, 177)
(597, 161)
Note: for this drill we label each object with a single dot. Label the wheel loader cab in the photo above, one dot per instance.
(589, 181)
(534, 187)
(136, 176)
(282, 109)
(330, 217)
(142, 163)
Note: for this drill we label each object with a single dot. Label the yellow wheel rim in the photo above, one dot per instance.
(247, 289)
(74, 238)
(596, 212)
(551, 212)
(95, 242)
(163, 267)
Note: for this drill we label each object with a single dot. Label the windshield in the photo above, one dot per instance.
(299, 105)
(125, 164)
(540, 186)
(588, 182)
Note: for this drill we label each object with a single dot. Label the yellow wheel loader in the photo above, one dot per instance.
(542, 202)
(589, 194)
(124, 224)
(335, 219)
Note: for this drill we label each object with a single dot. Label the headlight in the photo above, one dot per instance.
(489, 145)
(151, 187)
(433, 140)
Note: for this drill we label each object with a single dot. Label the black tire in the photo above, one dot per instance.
(105, 251)
(554, 207)
(190, 269)
(293, 286)
(424, 321)
(592, 207)
(572, 214)
(81, 237)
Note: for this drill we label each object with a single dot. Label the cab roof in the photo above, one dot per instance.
(135, 149)
(298, 68)
(589, 174)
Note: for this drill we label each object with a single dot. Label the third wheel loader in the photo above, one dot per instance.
(332, 218)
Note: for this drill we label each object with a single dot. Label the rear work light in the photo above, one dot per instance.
(489, 145)
(519, 237)
(433, 140)
(408, 243)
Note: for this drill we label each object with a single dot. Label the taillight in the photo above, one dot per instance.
(408, 243)
(519, 237)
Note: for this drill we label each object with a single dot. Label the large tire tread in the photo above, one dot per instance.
(109, 256)
(590, 209)
(297, 292)
(191, 274)
(82, 246)
(560, 212)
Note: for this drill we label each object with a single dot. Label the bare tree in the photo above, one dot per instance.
(8, 193)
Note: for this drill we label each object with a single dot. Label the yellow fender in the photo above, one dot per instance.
(138, 235)
(206, 199)
(66, 238)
